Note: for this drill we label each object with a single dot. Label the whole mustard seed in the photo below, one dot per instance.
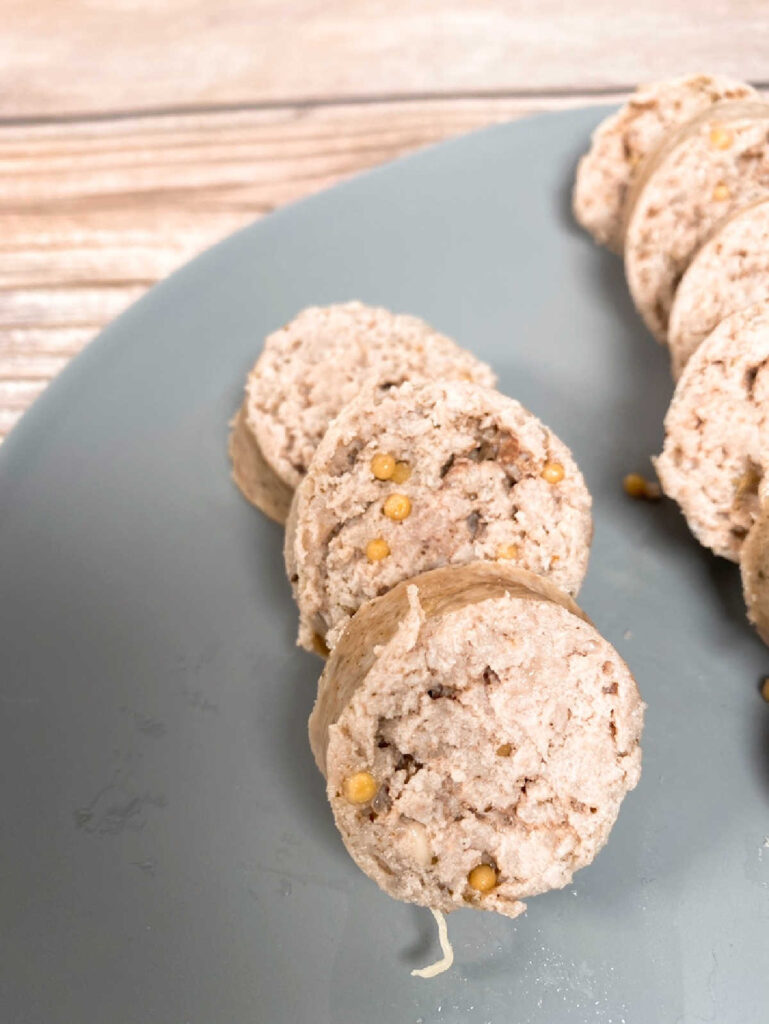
(721, 137)
(383, 466)
(401, 473)
(482, 878)
(397, 507)
(637, 486)
(359, 788)
(553, 472)
(377, 549)
(507, 551)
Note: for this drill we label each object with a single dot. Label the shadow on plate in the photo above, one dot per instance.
(423, 939)
(294, 693)
(291, 750)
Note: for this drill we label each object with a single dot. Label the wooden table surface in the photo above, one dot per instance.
(133, 134)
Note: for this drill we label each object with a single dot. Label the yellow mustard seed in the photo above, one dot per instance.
(360, 788)
(507, 551)
(483, 878)
(634, 485)
(721, 137)
(377, 549)
(637, 486)
(505, 750)
(721, 192)
(383, 466)
(401, 473)
(553, 472)
(397, 507)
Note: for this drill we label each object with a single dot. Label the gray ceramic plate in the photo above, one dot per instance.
(167, 853)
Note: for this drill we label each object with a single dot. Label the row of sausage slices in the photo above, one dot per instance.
(678, 182)
(476, 732)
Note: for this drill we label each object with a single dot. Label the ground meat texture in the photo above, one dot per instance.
(700, 175)
(621, 143)
(729, 273)
(713, 459)
(497, 726)
(487, 480)
(317, 363)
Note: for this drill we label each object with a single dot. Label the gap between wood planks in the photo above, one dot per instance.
(94, 210)
(584, 93)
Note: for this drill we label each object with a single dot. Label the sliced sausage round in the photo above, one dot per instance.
(621, 143)
(477, 735)
(701, 174)
(715, 450)
(422, 476)
(312, 367)
(729, 273)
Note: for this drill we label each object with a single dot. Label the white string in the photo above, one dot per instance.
(448, 953)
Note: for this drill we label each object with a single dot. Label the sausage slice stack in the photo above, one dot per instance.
(694, 208)
(476, 732)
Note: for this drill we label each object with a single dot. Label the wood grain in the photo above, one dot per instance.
(93, 213)
(65, 56)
